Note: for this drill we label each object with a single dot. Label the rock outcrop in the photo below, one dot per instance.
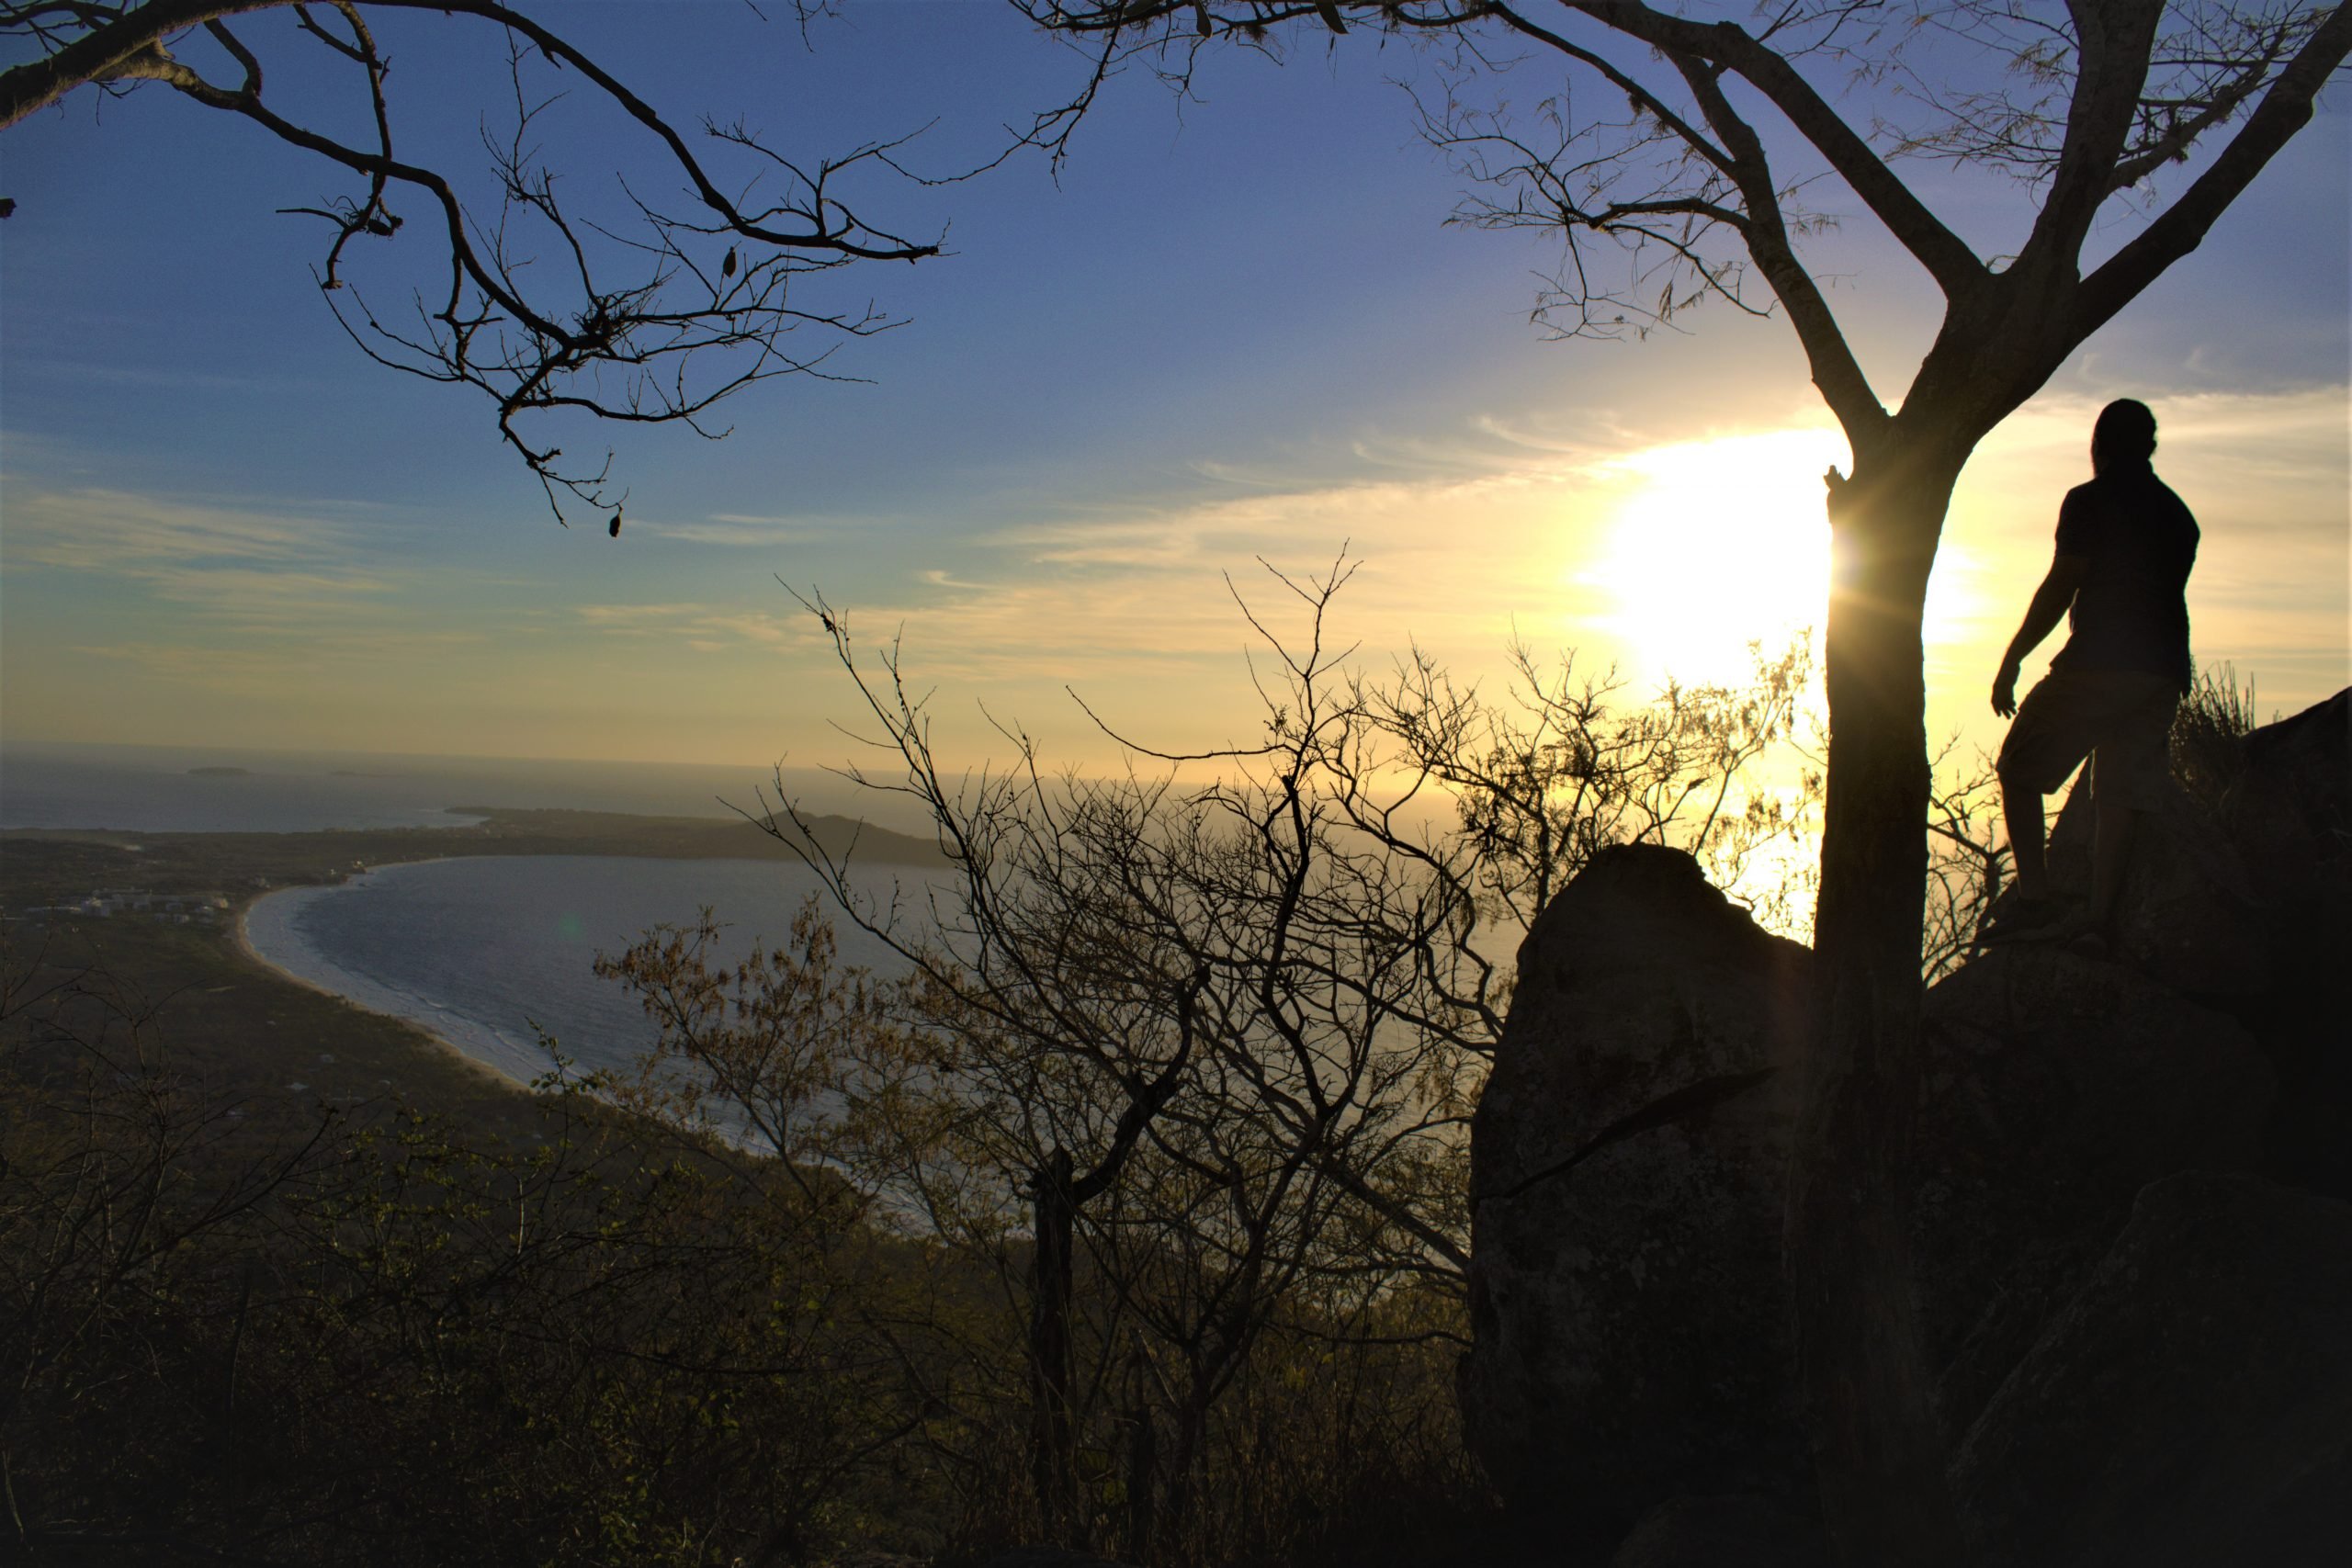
(2052, 1088)
(2289, 816)
(2191, 1404)
(1721, 1532)
(2242, 901)
(1639, 982)
(2188, 909)
(1631, 1364)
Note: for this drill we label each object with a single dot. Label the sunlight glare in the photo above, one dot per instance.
(1720, 542)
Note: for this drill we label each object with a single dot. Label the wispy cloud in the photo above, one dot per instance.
(631, 617)
(1567, 531)
(104, 530)
(1532, 529)
(742, 530)
(266, 570)
(706, 627)
(263, 599)
(1150, 587)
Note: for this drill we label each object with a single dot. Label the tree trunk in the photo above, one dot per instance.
(1862, 1366)
(1192, 1438)
(1052, 1209)
(1143, 1459)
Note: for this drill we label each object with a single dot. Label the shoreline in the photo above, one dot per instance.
(243, 939)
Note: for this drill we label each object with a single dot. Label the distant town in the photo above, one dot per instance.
(179, 909)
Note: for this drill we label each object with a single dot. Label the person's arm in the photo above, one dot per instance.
(2041, 617)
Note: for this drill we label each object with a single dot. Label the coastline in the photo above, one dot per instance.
(243, 939)
(490, 956)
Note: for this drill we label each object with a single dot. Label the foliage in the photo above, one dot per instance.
(1560, 769)
(1209, 1029)
(786, 1053)
(2212, 720)
(1967, 861)
(386, 1346)
(787, 1298)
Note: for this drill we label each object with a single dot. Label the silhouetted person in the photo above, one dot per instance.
(2125, 547)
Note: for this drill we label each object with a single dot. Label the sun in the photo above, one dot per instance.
(1715, 545)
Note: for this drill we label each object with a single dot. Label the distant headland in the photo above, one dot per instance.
(49, 866)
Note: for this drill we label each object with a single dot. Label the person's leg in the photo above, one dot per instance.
(2047, 739)
(2021, 814)
(2111, 852)
(2129, 773)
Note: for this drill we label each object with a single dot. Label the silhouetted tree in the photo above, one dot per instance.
(1212, 1044)
(1689, 144)
(633, 312)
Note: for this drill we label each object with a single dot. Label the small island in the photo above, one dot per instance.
(220, 772)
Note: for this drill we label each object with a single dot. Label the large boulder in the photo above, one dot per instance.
(1724, 1533)
(2239, 896)
(2191, 1404)
(1628, 1311)
(2054, 1088)
(2188, 911)
(2289, 811)
(2289, 808)
(1630, 1338)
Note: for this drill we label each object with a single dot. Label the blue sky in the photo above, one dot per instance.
(1235, 327)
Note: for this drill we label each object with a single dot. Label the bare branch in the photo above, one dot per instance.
(2285, 108)
(652, 321)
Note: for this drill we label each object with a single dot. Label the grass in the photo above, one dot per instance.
(2209, 733)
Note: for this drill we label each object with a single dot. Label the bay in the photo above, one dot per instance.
(488, 951)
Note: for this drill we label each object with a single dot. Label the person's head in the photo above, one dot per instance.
(2126, 433)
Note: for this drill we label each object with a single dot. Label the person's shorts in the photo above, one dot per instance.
(2123, 718)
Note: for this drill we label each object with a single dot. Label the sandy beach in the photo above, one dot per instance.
(495, 955)
(245, 942)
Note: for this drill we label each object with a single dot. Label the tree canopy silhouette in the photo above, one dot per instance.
(648, 311)
(1688, 158)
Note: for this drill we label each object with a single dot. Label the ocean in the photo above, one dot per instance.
(187, 789)
(489, 950)
(483, 951)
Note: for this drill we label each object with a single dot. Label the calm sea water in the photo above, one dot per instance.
(159, 789)
(480, 950)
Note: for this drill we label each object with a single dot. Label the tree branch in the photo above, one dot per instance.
(531, 343)
(1946, 257)
(2118, 40)
(100, 54)
(1836, 371)
(2285, 110)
